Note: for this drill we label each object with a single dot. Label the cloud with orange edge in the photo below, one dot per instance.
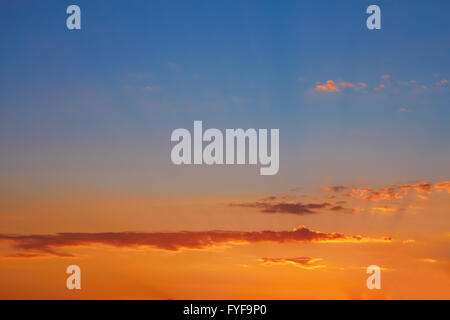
(329, 86)
(300, 262)
(334, 86)
(442, 186)
(422, 190)
(48, 244)
(385, 209)
(290, 207)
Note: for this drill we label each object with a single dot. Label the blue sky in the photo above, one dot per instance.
(108, 96)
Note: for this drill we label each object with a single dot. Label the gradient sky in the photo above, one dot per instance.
(85, 124)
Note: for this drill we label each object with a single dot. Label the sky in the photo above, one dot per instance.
(86, 176)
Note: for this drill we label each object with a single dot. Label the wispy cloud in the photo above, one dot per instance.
(422, 189)
(442, 186)
(386, 209)
(300, 262)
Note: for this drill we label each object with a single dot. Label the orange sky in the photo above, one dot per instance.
(247, 247)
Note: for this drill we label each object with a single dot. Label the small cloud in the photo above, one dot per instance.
(403, 109)
(386, 76)
(385, 209)
(301, 262)
(390, 193)
(362, 84)
(424, 186)
(270, 198)
(344, 84)
(329, 86)
(333, 86)
(428, 260)
(335, 188)
(442, 83)
(442, 186)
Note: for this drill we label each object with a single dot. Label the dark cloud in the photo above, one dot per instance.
(336, 188)
(171, 241)
(296, 208)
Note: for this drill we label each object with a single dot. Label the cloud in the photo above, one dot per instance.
(389, 193)
(428, 260)
(381, 86)
(442, 83)
(375, 195)
(443, 185)
(362, 84)
(297, 208)
(386, 76)
(344, 84)
(270, 198)
(25, 256)
(386, 209)
(333, 86)
(419, 187)
(329, 86)
(421, 190)
(170, 241)
(301, 262)
(336, 188)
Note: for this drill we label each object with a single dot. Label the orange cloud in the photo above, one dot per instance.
(391, 193)
(443, 185)
(385, 209)
(171, 241)
(420, 187)
(329, 86)
(375, 195)
(301, 262)
(333, 86)
(344, 84)
(428, 260)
